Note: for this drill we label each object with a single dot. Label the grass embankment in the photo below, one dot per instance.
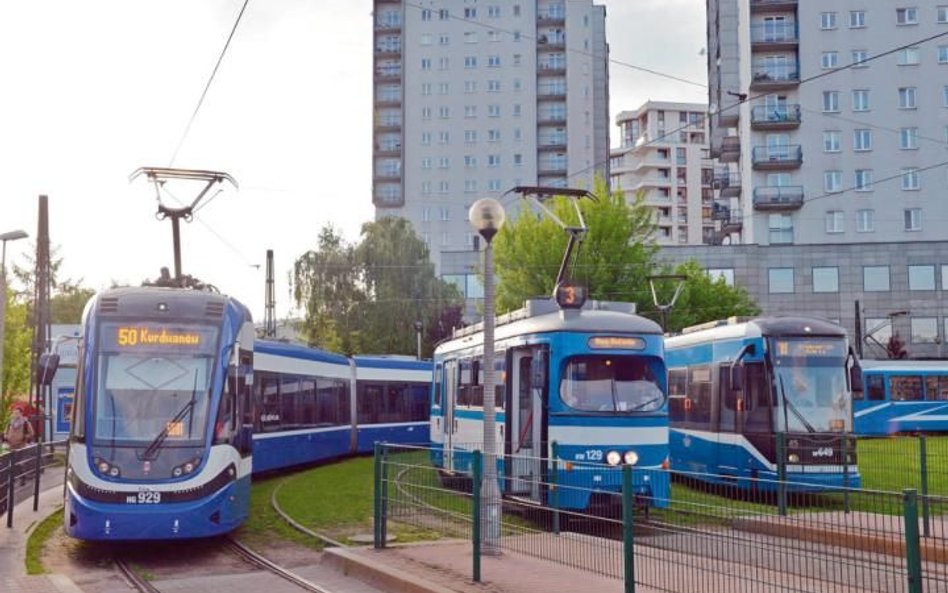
(894, 463)
(37, 541)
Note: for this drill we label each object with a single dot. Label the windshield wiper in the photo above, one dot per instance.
(788, 406)
(149, 452)
(647, 403)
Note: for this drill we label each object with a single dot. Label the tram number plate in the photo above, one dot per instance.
(145, 496)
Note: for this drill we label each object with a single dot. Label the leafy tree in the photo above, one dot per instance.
(705, 299)
(366, 298)
(614, 260)
(67, 297)
(16, 354)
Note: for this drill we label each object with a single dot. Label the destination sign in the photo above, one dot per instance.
(616, 343)
(806, 348)
(152, 337)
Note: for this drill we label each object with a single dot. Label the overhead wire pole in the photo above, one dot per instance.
(41, 318)
(269, 317)
(665, 308)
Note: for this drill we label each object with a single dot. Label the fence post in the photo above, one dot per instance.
(377, 498)
(627, 526)
(36, 476)
(383, 531)
(11, 482)
(781, 473)
(477, 469)
(913, 556)
(846, 472)
(555, 488)
(923, 463)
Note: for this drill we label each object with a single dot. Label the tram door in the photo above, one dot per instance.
(526, 422)
(450, 423)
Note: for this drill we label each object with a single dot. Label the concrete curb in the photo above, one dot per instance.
(362, 567)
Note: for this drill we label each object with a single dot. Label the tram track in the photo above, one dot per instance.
(236, 548)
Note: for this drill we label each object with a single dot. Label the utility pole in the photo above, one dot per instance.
(858, 333)
(39, 404)
(269, 316)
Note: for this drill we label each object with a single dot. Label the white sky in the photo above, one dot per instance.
(91, 91)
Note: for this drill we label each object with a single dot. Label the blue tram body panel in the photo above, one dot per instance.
(139, 471)
(902, 396)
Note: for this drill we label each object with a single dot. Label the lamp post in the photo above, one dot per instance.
(487, 216)
(10, 236)
(418, 328)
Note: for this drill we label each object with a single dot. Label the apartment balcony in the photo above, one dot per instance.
(551, 119)
(388, 177)
(551, 169)
(784, 117)
(774, 36)
(550, 92)
(774, 77)
(773, 6)
(388, 151)
(730, 149)
(728, 183)
(546, 42)
(391, 26)
(388, 74)
(388, 52)
(551, 144)
(778, 198)
(779, 157)
(388, 126)
(551, 68)
(551, 18)
(388, 102)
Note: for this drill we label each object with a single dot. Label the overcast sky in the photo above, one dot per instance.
(91, 91)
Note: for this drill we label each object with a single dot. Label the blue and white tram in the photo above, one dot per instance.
(592, 381)
(902, 396)
(733, 386)
(177, 403)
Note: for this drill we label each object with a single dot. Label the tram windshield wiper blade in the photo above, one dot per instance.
(647, 403)
(789, 406)
(161, 436)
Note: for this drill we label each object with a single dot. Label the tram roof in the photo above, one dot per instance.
(301, 351)
(903, 365)
(183, 304)
(783, 325)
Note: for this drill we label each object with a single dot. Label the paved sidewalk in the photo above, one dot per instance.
(13, 577)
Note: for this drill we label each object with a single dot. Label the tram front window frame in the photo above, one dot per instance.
(811, 385)
(590, 384)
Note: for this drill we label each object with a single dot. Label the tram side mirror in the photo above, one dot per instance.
(46, 368)
(737, 377)
(538, 370)
(245, 438)
(855, 379)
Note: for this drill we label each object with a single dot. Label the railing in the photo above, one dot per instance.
(778, 197)
(19, 475)
(785, 32)
(707, 533)
(778, 154)
(784, 114)
(775, 73)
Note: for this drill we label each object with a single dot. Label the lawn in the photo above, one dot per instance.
(893, 464)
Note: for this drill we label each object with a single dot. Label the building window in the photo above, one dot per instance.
(443, 14)
(426, 113)
(831, 141)
(426, 14)
(860, 57)
(826, 279)
(863, 180)
(861, 100)
(445, 214)
(426, 188)
(943, 14)
(443, 187)
(517, 159)
(444, 163)
(470, 62)
(834, 221)
(857, 19)
(470, 186)
(470, 161)
(470, 13)
(443, 40)
(493, 184)
(493, 110)
(781, 280)
(944, 96)
(921, 277)
(924, 330)
(913, 219)
(470, 111)
(493, 12)
(443, 88)
(906, 16)
(832, 181)
(943, 54)
(830, 101)
(493, 61)
(426, 138)
(875, 278)
(493, 86)
(425, 89)
(493, 160)
(717, 274)
(444, 112)
(827, 20)
(444, 138)
(493, 135)
(910, 179)
(907, 97)
(426, 163)
(865, 221)
(781, 229)
(862, 139)
(908, 138)
(426, 65)
(829, 59)
(470, 136)
(910, 56)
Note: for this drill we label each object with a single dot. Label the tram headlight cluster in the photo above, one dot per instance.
(186, 468)
(107, 469)
(793, 458)
(615, 458)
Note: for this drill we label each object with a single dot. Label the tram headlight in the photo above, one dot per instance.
(793, 458)
(630, 457)
(176, 472)
(107, 469)
(114, 471)
(186, 468)
(103, 467)
(613, 458)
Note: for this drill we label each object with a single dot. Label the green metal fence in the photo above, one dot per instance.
(704, 537)
(19, 478)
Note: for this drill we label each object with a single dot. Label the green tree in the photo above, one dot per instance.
(16, 354)
(614, 260)
(67, 297)
(705, 299)
(67, 304)
(366, 298)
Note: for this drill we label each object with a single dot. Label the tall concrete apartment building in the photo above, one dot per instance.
(663, 154)
(838, 174)
(474, 97)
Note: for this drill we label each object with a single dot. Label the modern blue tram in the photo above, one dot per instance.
(737, 388)
(177, 404)
(902, 396)
(587, 386)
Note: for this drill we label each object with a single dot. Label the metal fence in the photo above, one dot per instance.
(20, 471)
(709, 534)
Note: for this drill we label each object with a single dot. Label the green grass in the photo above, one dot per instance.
(892, 464)
(265, 524)
(37, 541)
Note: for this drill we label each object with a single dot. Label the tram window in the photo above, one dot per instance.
(677, 382)
(477, 383)
(326, 401)
(343, 408)
(936, 387)
(701, 402)
(758, 398)
(437, 386)
(223, 427)
(418, 411)
(905, 388)
(464, 383)
(500, 375)
(289, 394)
(78, 424)
(268, 412)
(875, 387)
(307, 403)
(370, 400)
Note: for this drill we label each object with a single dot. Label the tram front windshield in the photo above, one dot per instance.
(603, 383)
(152, 384)
(811, 384)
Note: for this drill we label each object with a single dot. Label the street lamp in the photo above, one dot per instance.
(487, 216)
(10, 236)
(418, 328)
